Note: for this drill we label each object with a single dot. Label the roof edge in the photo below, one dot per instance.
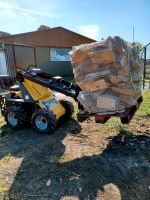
(77, 34)
(30, 32)
(20, 34)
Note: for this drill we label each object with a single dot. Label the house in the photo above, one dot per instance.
(51, 46)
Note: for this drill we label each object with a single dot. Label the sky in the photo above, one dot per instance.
(96, 19)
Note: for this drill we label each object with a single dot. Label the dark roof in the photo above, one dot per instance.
(3, 34)
(53, 37)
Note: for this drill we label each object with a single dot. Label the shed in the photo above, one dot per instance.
(52, 46)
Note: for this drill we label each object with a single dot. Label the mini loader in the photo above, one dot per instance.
(31, 93)
(33, 100)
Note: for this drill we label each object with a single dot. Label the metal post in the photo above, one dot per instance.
(144, 73)
(133, 34)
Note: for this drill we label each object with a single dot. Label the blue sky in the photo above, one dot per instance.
(93, 18)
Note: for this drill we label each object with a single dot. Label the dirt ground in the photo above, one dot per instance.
(85, 161)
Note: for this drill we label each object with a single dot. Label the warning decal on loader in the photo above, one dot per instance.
(48, 104)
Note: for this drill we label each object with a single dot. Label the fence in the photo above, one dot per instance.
(144, 58)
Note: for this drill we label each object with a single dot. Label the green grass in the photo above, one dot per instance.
(8, 158)
(144, 110)
(76, 110)
(3, 191)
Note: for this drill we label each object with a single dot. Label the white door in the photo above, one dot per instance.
(3, 63)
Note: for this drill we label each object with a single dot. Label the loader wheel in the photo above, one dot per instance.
(69, 108)
(14, 117)
(44, 121)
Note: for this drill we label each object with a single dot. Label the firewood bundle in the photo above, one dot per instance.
(108, 74)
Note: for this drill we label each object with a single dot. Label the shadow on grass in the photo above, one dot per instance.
(124, 163)
(5, 130)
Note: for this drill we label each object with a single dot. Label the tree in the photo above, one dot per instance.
(138, 45)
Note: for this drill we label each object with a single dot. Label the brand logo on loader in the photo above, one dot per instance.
(50, 103)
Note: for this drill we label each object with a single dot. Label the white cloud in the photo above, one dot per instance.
(18, 17)
(12, 20)
(9, 6)
(91, 31)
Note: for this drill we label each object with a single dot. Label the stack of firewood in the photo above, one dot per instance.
(108, 74)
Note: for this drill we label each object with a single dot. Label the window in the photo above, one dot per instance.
(59, 54)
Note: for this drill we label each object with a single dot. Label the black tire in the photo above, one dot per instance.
(44, 121)
(15, 117)
(69, 108)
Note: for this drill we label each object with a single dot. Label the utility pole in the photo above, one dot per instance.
(133, 34)
(54, 21)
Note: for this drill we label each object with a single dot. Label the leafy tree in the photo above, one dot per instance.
(138, 45)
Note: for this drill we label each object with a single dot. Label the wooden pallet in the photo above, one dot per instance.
(125, 117)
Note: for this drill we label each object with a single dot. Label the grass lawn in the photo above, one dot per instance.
(144, 110)
(78, 159)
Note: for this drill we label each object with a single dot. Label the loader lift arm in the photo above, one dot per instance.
(53, 83)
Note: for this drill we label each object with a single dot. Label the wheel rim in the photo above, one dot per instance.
(12, 118)
(41, 122)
